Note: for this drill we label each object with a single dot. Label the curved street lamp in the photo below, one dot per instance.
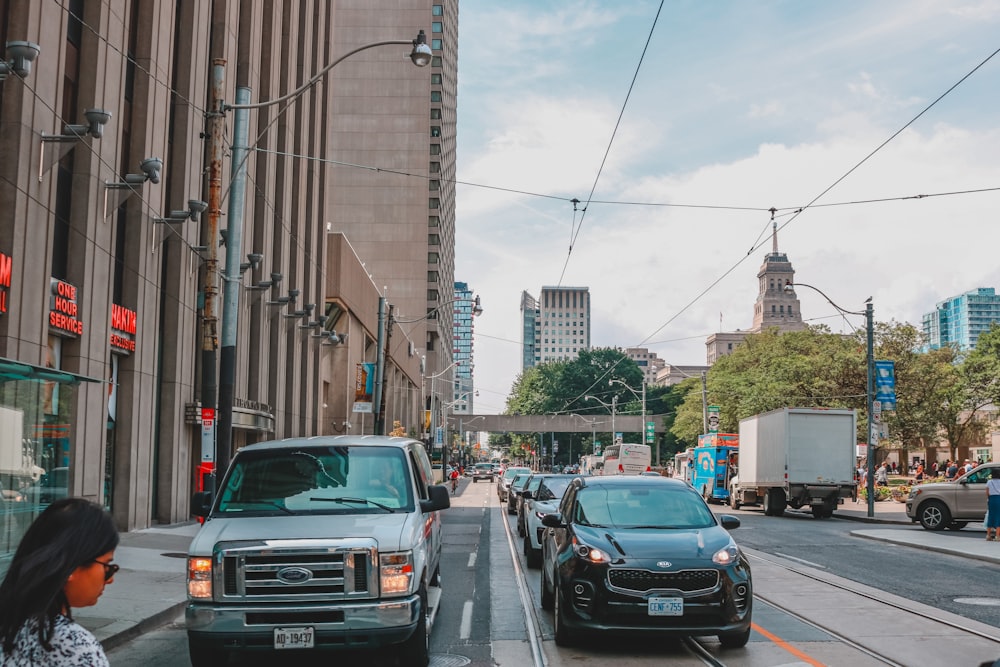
(613, 406)
(218, 396)
(477, 309)
(869, 332)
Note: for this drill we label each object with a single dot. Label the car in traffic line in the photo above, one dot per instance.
(540, 498)
(482, 471)
(514, 492)
(506, 479)
(637, 554)
(940, 505)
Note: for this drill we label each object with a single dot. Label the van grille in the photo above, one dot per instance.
(297, 570)
(641, 581)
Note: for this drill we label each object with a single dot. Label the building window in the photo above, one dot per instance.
(435, 167)
(432, 258)
(432, 295)
(433, 239)
(432, 276)
(434, 185)
(435, 149)
(436, 46)
(433, 221)
(437, 10)
(435, 130)
(435, 113)
(435, 96)
(436, 26)
(435, 61)
(434, 203)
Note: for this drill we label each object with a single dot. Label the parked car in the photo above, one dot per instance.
(483, 471)
(952, 504)
(537, 502)
(646, 555)
(514, 492)
(506, 479)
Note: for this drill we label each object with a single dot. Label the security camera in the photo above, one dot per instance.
(196, 207)
(97, 118)
(21, 55)
(151, 167)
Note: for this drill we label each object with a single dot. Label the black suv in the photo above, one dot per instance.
(482, 471)
(638, 554)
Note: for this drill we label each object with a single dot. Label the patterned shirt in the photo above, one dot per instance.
(72, 646)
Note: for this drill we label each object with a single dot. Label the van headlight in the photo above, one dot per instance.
(396, 573)
(199, 579)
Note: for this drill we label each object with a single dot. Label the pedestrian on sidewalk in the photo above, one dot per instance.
(993, 505)
(63, 561)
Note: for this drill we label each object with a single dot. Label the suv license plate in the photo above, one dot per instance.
(666, 606)
(294, 638)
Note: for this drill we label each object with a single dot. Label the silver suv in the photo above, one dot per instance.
(940, 505)
(318, 543)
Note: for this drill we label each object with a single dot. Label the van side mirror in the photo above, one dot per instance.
(439, 499)
(201, 503)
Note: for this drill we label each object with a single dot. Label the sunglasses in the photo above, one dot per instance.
(110, 569)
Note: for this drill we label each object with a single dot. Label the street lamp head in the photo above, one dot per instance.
(421, 53)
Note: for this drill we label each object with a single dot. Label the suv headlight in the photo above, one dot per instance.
(396, 572)
(589, 554)
(727, 555)
(914, 491)
(200, 578)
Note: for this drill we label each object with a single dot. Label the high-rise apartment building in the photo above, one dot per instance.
(556, 326)
(960, 319)
(462, 350)
(648, 362)
(400, 217)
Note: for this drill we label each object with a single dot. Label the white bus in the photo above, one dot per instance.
(627, 459)
(591, 464)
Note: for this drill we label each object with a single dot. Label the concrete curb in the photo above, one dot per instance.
(143, 626)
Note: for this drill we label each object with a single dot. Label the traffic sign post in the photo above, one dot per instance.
(713, 418)
(650, 432)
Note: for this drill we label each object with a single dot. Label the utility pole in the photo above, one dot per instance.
(870, 486)
(380, 354)
(209, 332)
(704, 402)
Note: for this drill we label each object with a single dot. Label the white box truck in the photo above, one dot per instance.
(798, 457)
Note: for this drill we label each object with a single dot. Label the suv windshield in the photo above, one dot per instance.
(641, 507)
(321, 480)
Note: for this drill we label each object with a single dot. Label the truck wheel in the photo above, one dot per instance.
(206, 656)
(934, 515)
(416, 651)
(768, 503)
(821, 512)
(774, 502)
(706, 494)
(734, 500)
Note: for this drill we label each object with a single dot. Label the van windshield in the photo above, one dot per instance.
(317, 480)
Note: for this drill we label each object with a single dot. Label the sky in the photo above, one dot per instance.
(736, 107)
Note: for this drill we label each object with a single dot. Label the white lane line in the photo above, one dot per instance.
(472, 559)
(800, 560)
(466, 628)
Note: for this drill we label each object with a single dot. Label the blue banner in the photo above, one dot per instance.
(885, 384)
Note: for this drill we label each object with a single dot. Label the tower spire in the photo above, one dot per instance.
(774, 233)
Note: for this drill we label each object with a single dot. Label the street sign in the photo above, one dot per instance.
(713, 418)
(876, 412)
(650, 432)
(555, 446)
(885, 384)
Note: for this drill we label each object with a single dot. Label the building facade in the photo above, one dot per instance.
(648, 362)
(558, 326)
(113, 277)
(775, 306)
(464, 391)
(959, 320)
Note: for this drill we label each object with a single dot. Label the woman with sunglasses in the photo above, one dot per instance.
(63, 561)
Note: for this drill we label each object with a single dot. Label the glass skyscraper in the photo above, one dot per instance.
(960, 319)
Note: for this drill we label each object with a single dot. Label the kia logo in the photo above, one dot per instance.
(294, 575)
(663, 563)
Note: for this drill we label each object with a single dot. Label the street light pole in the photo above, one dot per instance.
(868, 312)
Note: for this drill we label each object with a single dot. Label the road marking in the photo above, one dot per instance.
(788, 647)
(799, 560)
(472, 559)
(465, 629)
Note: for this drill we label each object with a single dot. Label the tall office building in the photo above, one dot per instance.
(463, 313)
(556, 326)
(960, 319)
(400, 218)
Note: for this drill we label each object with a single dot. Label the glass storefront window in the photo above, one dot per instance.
(36, 417)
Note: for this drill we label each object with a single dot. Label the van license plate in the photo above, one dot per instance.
(666, 606)
(294, 638)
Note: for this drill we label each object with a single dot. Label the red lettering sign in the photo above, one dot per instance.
(5, 270)
(64, 323)
(123, 319)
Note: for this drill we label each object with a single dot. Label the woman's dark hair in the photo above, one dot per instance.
(70, 532)
(995, 473)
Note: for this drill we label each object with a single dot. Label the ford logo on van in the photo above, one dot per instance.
(663, 563)
(294, 575)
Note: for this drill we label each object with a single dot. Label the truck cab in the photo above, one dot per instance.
(712, 470)
(318, 543)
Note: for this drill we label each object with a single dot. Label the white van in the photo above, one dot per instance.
(627, 459)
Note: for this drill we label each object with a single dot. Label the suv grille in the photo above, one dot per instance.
(641, 581)
(297, 570)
